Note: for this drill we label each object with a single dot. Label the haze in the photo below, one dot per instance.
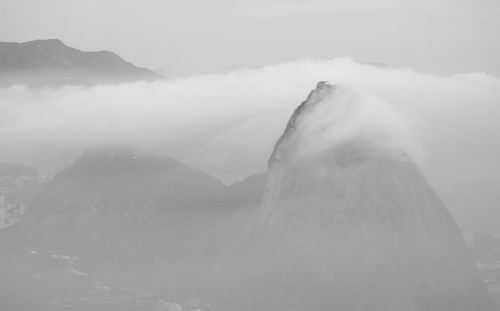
(250, 155)
(227, 124)
(201, 36)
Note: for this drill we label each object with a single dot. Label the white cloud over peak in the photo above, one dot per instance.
(227, 124)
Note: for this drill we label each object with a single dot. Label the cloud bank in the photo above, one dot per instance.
(336, 114)
(227, 124)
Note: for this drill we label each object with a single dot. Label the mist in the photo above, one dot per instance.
(227, 124)
(206, 36)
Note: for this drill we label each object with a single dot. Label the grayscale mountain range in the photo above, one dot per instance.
(51, 63)
(249, 155)
(351, 227)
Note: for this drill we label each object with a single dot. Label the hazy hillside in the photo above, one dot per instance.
(344, 224)
(350, 224)
(52, 63)
(130, 221)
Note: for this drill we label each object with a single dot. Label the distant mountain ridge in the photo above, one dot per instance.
(52, 63)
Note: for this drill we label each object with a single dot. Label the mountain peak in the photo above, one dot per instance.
(52, 63)
(360, 216)
(336, 121)
(45, 42)
(322, 90)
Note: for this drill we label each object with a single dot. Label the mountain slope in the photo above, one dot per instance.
(107, 193)
(134, 221)
(52, 63)
(348, 223)
(247, 192)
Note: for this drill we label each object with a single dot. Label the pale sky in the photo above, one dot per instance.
(185, 37)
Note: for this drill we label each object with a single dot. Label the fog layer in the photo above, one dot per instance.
(227, 124)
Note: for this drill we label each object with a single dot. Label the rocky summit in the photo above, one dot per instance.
(363, 216)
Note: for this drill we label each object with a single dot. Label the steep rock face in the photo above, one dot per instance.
(362, 215)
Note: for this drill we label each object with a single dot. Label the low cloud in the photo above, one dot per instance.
(341, 114)
(227, 124)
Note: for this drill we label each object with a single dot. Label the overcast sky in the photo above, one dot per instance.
(184, 37)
